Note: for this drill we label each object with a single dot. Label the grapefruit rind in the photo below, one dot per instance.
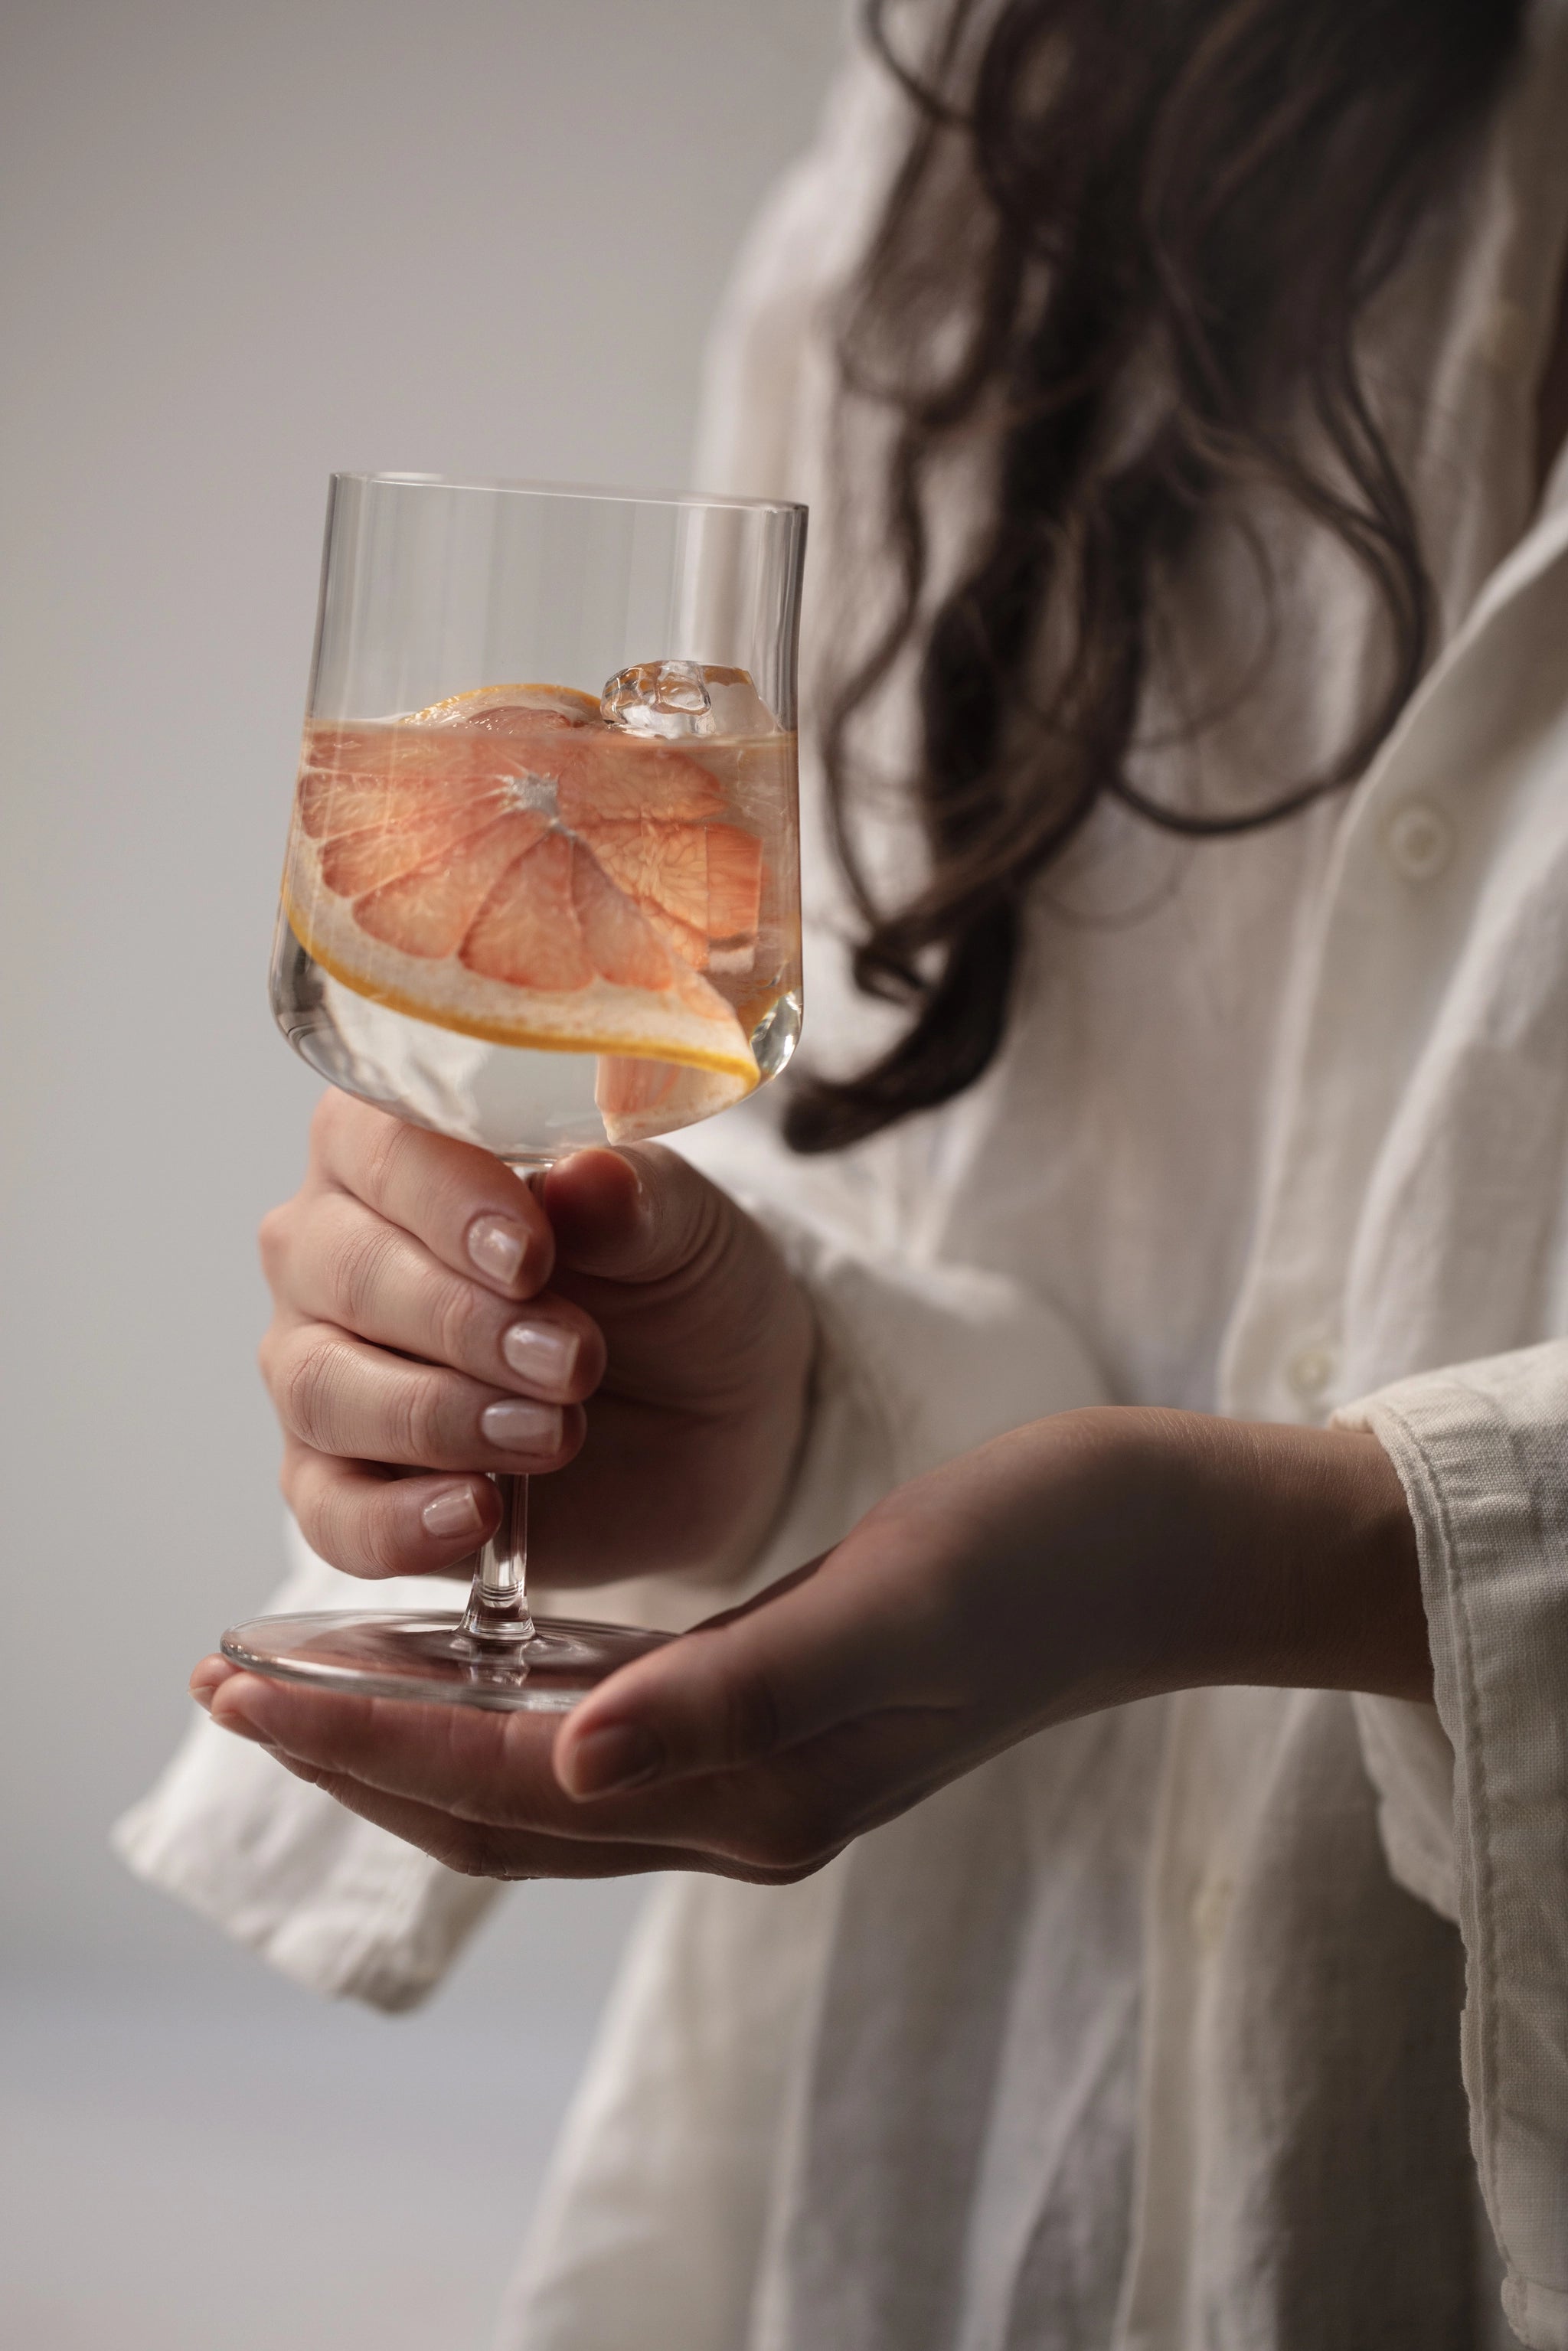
(628, 1021)
(462, 709)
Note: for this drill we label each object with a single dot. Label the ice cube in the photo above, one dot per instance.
(737, 707)
(668, 698)
(675, 698)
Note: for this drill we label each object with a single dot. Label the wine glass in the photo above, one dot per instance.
(541, 890)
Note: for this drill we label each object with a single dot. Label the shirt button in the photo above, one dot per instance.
(1311, 1372)
(1211, 1912)
(1420, 841)
(1506, 337)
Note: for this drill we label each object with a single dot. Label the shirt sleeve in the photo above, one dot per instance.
(916, 1366)
(324, 1896)
(1483, 1453)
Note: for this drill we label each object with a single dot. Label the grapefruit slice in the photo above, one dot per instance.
(506, 865)
(492, 706)
(640, 1099)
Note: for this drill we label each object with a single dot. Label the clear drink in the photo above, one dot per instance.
(537, 916)
(536, 919)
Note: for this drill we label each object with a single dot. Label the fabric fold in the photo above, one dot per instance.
(327, 1898)
(1479, 1451)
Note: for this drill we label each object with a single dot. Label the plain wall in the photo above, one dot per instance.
(242, 241)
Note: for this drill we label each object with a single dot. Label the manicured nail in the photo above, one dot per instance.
(518, 1427)
(453, 1512)
(621, 1755)
(543, 1353)
(646, 1207)
(236, 1718)
(497, 1248)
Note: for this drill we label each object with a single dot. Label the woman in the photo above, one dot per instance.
(1156, 1340)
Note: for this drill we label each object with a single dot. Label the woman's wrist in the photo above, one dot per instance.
(788, 1434)
(1291, 1556)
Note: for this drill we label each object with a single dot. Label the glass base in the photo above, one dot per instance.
(431, 1658)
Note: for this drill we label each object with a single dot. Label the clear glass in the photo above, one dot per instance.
(541, 890)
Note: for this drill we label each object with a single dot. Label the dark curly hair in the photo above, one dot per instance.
(1208, 192)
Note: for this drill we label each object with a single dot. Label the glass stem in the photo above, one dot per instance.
(497, 1611)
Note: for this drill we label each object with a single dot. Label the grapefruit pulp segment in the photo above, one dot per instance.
(706, 876)
(354, 863)
(603, 774)
(526, 932)
(620, 941)
(338, 800)
(688, 942)
(431, 911)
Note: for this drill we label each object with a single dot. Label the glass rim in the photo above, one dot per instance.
(602, 492)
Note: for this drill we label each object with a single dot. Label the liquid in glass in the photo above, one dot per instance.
(536, 917)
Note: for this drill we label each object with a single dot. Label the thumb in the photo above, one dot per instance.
(822, 1649)
(635, 1215)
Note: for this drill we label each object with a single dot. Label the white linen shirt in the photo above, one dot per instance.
(1147, 2034)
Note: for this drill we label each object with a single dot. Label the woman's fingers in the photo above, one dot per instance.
(351, 1268)
(369, 1522)
(337, 1395)
(476, 1788)
(939, 1605)
(208, 1677)
(479, 1851)
(477, 1847)
(847, 1637)
(478, 1764)
(468, 1210)
(640, 1215)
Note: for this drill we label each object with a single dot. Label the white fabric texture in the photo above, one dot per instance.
(1147, 2034)
(323, 1896)
(1482, 1452)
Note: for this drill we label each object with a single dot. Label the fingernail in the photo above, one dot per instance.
(234, 1717)
(203, 1698)
(518, 1427)
(621, 1755)
(453, 1512)
(542, 1352)
(647, 1208)
(496, 1247)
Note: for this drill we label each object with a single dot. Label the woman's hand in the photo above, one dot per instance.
(435, 1318)
(1093, 1558)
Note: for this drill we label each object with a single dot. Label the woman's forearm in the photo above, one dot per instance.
(1289, 1555)
(1089, 1559)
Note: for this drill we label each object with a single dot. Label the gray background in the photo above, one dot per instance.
(241, 244)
